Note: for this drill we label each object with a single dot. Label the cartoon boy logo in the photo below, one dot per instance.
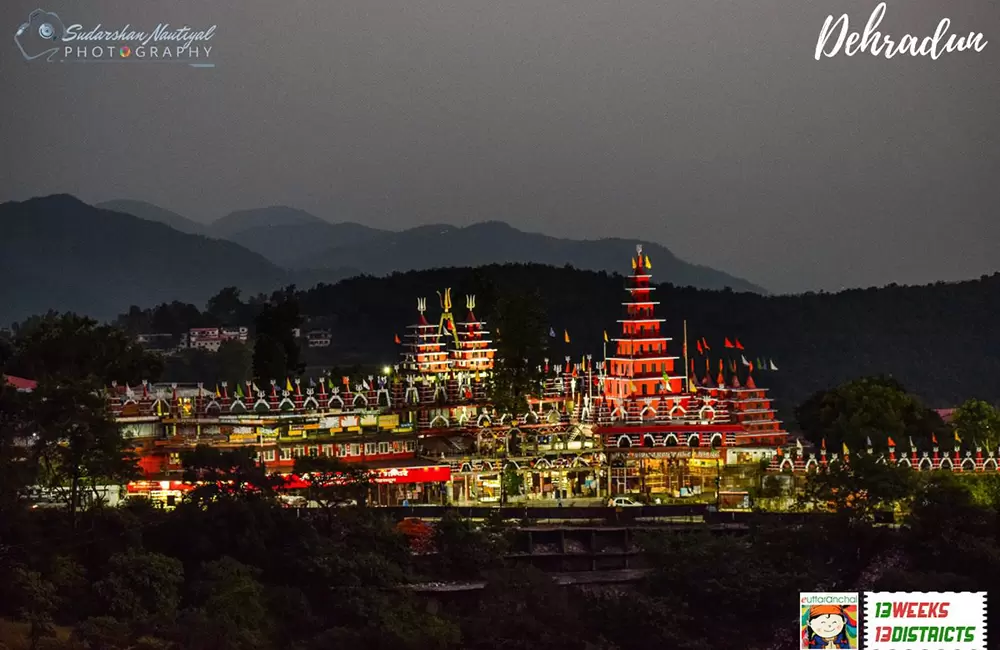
(830, 626)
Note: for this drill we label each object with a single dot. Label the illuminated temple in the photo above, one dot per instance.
(640, 421)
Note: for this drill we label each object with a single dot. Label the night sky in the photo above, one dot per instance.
(705, 125)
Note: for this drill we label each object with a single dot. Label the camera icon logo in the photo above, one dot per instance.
(40, 36)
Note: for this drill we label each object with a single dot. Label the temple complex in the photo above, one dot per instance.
(635, 422)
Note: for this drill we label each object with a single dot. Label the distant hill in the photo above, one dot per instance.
(297, 240)
(495, 242)
(287, 245)
(243, 220)
(60, 253)
(151, 212)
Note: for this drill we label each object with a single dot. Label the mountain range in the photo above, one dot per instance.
(298, 241)
(60, 253)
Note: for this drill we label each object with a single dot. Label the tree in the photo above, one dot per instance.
(231, 613)
(979, 422)
(875, 408)
(226, 306)
(38, 603)
(17, 467)
(276, 350)
(78, 444)
(73, 348)
(859, 488)
(333, 482)
(235, 361)
(227, 474)
(141, 589)
(520, 323)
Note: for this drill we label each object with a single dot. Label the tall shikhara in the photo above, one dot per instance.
(641, 366)
(424, 350)
(472, 351)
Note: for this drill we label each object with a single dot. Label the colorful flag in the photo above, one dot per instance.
(868, 440)
(606, 336)
(217, 393)
(704, 343)
(239, 390)
(798, 445)
(822, 444)
(397, 340)
(552, 332)
(892, 443)
(744, 359)
(957, 439)
(934, 439)
(648, 265)
(700, 350)
(566, 336)
(845, 449)
(729, 344)
(739, 346)
(288, 385)
(773, 367)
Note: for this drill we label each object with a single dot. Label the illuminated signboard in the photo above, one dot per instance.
(332, 423)
(243, 438)
(369, 420)
(349, 422)
(388, 421)
(432, 474)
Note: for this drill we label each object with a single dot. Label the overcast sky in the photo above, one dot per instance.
(705, 125)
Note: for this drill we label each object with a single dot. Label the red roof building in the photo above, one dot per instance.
(20, 383)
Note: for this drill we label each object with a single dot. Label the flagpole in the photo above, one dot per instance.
(687, 379)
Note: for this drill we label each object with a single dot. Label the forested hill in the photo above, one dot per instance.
(941, 341)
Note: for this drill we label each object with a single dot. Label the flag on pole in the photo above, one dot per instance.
(704, 343)
(566, 336)
(606, 336)
(773, 367)
(217, 393)
(934, 439)
(912, 446)
(745, 362)
(957, 439)
(892, 443)
(822, 444)
(729, 344)
(288, 385)
(397, 340)
(868, 440)
(239, 390)
(552, 332)
(846, 450)
(648, 265)
(761, 365)
(739, 346)
(798, 445)
(700, 350)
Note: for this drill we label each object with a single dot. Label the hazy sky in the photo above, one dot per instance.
(705, 125)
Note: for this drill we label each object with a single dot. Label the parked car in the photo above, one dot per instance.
(622, 502)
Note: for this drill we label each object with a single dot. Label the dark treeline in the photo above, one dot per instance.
(938, 340)
(234, 570)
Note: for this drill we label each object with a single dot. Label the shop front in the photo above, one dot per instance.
(676, 473)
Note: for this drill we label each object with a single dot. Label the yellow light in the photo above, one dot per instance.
(386, 370)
